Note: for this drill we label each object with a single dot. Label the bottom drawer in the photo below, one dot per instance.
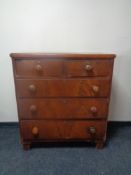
(48, 130)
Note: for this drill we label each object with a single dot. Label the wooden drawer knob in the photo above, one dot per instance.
(93, 109)
(32, 88)
(88, 67)
(33, 108)
(38, 67)
(95, 89)
(35, 131)
(92, 130)
(64, 101)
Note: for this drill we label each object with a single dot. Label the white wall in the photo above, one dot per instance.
(67, 26)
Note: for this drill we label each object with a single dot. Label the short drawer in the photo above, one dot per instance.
(38, 68)
(89, 68)
(79, 108)
(63, 88)
(87, 130)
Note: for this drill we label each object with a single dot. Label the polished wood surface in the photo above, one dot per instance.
(67, 56)
(88, 68)
(79, 108)
(63, 88)
(39, 68)
(49, 68)
(62, 97)
(36, 129)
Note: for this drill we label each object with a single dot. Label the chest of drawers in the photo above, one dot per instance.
(62, 97)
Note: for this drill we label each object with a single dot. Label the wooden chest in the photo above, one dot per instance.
(62, 97)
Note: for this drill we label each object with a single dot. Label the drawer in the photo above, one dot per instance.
(79, 108)
(63, 88)
(38, 68)
(86, 130)
(89, 68)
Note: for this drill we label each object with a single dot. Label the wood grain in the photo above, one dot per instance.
(63, 88)
(58, 68)
(62, 108)
(62, 129)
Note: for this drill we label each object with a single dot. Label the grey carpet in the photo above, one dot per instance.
(69, 159)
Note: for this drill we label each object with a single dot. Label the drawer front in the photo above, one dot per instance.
(58, 68)
(63, 88)
(38, 68)
(89, 68)
(36, 129)
(63, 108)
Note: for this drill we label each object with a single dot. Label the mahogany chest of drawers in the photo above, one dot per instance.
(62, 97)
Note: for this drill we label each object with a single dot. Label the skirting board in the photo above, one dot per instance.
(110, 124)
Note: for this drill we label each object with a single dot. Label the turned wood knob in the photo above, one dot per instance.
(93, 109)
(95, 89)
(38, 67)
(88, 67)
(65, 101)
(33, 108)
(32, 88)
(35, 131)
(92, 130)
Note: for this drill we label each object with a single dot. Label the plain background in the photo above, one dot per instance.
(67, 26)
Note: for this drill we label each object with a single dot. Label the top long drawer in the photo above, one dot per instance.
(45, 68)
(63, 88)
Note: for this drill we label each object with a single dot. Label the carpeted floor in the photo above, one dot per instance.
(72, 159)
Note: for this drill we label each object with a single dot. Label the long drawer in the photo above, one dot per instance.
(63, 88)
(58, 68)
(79, 108)
(86, 130)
